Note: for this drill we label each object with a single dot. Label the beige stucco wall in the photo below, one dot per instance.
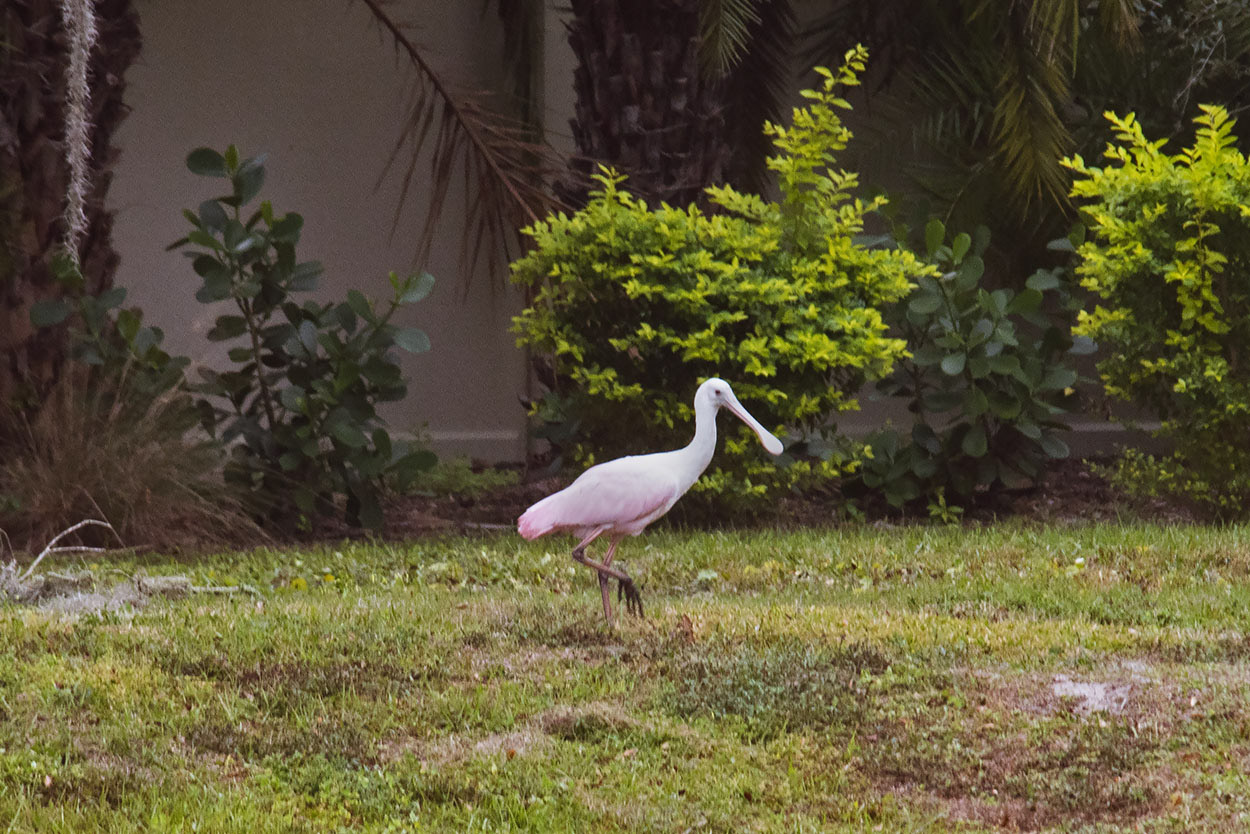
(314, 84)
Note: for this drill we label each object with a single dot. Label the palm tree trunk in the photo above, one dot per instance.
(34, 175)
(641, 104)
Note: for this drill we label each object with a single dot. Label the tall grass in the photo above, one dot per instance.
(100, 448)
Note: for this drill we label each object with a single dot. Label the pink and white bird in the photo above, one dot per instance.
(621, 497)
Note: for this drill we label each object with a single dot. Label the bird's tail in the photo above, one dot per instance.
(533, 523)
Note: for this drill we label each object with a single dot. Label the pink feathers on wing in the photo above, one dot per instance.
(538, 520)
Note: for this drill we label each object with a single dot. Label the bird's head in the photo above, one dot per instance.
(717, 394)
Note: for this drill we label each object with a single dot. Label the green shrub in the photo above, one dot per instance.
(1168, 262)
(301, 398)
(986, 377)
(111, 340)
(637, 305)
(116, 437)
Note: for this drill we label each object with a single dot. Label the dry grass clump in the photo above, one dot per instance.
(107, 451)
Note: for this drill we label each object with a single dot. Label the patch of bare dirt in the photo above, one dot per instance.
(580, 721)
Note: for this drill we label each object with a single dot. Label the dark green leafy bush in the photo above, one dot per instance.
(301, 398)
(986, 377)
(1168, 262)
(637, 305)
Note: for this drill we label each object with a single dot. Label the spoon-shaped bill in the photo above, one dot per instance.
(770, 441)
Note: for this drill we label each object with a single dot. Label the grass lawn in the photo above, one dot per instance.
(911, 679)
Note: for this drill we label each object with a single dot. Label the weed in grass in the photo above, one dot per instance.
(786, 684)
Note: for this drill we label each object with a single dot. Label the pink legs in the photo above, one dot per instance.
(625, 585)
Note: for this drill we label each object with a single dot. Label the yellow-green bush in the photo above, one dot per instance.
(1168, 260)
(637, 305)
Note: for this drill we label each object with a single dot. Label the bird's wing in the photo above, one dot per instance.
(612, 494)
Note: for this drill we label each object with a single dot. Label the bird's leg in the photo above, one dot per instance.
(605, 571)
(603, 581)
(625, 588)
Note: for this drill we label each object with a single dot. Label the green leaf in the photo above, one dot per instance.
(128, 323)
(249, 179)
(953, 364)
(926, 438)
(111, 298)
(975, 402)
(1042, 280)
(202, 238)
(360, 305)
(294, 398)
(923, 303)
(66, 272)
(960, 246)
(1056, 379)
(308, 335)
(305, 276)
(416, 287)
(927, 355)
(412, 340)
(969, 273)
(1026, 301)
(1005, 406)
(206, 265)
(206, 162)
(1054, 447)
(287, 228)
(212, 215)
(974, 443)
(1029, 429)
(382, 443)
(215, 288)
(934, 234)
(290, 460)
(1006, 364)
(348, 434)
(227, 327)
(49, 312)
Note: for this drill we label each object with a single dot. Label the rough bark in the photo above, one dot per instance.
(641, 104)
(33, 177)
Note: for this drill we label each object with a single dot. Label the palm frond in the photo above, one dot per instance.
(1122, 20)
(504, 171)
(1030, 136)
(725, 33)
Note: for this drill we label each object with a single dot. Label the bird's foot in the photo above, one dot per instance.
(626, 590)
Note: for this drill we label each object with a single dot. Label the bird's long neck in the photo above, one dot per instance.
(699, 451)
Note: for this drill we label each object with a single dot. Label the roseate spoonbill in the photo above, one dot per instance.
(621, 497)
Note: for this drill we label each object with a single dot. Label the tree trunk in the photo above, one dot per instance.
(642, 106)
(33, 177)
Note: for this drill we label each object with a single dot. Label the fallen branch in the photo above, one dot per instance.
(52, 548)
